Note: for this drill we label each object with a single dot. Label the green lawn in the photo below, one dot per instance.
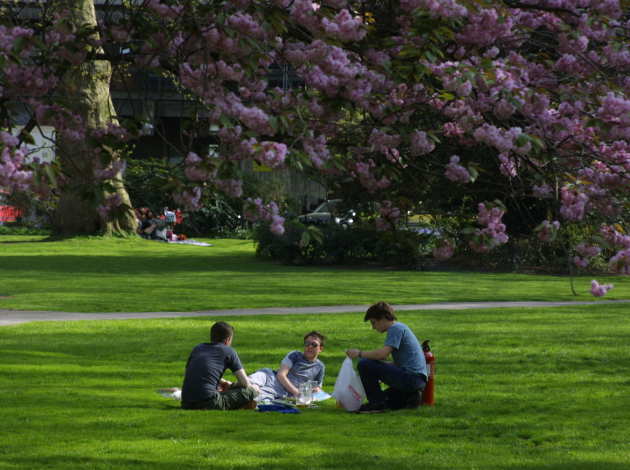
(519, 389)
(117, 275)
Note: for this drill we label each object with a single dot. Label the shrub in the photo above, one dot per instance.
(331, 244)
(14, 229)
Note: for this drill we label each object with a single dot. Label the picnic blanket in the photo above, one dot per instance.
(278, 407)
(190, 242)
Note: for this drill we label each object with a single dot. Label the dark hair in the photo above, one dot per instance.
(318, 335)
(380, 310)
(221, 331)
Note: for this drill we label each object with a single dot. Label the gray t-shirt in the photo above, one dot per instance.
(205, 367)
(300, 370)
(407, 352)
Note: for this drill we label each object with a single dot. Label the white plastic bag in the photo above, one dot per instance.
(349, 390)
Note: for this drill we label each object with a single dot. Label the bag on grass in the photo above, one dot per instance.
(349, 390)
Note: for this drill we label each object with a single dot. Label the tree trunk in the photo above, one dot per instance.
(86, 89)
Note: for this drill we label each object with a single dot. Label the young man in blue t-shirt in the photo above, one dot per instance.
(406, 376)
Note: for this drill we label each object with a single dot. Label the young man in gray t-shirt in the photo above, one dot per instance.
(296, 368)
(406, 376)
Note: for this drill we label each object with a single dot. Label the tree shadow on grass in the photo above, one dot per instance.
(23, 242)
(572, 465)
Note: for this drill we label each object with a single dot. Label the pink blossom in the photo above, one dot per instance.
(600, 290)
(245, 24)
(317, 150)
(443, 250)
(116, 167)
(272, 154)
(164, 10)
(255, 118)
(501, 139)
(421, 144)
(389, 216)
(620, 263)
(13, 174)
(192, 159)
(9, 139)
(277, 225)
(344, 27)
(452, 129)
(588, 251)
(9, 36)
(580, 262)
(615, 238)
(457, 173)
(485, 27)
(385, 144)
(493, 234)
(507, 166)
(543, 191)
(464, 89)
(254, 210)
(547, 231)
(231, 187)
(573, 204)
(189, 198)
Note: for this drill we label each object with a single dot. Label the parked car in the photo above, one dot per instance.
(329, 212)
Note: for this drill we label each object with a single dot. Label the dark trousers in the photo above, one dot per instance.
(231, 399)
(404, 388)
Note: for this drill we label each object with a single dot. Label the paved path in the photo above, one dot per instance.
(13, 317)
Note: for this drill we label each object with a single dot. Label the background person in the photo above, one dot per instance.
(406, 376)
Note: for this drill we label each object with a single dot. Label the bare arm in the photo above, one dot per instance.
(376, 354)
(281, 375)
(241, 378)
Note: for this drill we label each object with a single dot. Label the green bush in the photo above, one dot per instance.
(14, 229)
(332, 244)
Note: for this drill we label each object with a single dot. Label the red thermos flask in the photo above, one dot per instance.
(428, 395)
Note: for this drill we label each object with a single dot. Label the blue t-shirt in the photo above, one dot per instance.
(406, 349)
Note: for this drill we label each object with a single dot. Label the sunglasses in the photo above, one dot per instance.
(312, 344)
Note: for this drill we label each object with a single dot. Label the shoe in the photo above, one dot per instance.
(250, 405)
(173, 393)
(370, 408)
(414, 400)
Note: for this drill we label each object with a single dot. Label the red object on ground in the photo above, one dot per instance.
(9, 213)
(428, 394)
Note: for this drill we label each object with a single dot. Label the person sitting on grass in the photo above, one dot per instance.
(296, 368)
(204, 388)
(406, 376)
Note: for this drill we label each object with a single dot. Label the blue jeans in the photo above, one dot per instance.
(403, 385)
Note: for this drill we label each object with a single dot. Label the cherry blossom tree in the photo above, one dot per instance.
(495, 100)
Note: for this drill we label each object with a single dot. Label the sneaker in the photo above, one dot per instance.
(250, 405)
(414, 400)
(369, 408)
(173, 393)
